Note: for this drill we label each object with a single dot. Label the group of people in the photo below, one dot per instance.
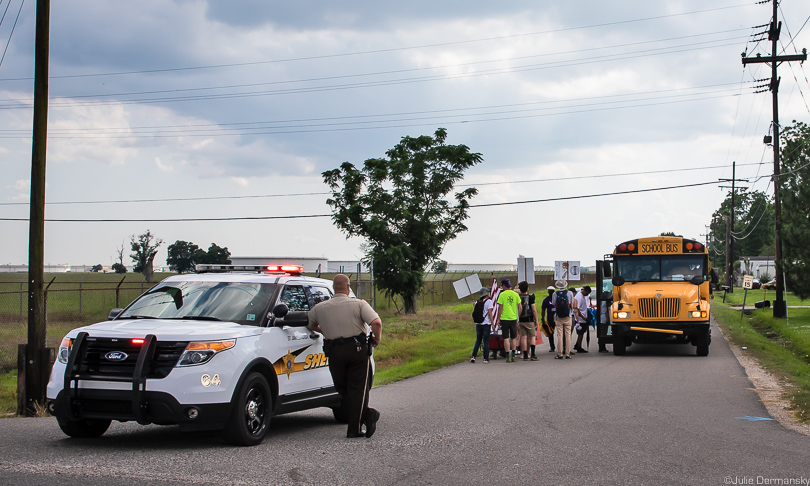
(562, 312)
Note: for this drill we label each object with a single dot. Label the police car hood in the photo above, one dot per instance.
(169, 329)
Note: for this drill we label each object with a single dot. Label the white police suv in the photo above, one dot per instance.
(204, 351)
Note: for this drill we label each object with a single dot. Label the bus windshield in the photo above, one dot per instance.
(666, 268)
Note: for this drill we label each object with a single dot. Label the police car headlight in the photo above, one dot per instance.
(64, 350)
(201, 352)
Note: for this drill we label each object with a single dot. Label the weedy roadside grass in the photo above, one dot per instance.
(434, 338)
(782, 346)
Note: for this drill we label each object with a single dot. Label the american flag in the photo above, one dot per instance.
(493, 294)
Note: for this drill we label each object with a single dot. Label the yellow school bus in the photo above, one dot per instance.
(661, 293)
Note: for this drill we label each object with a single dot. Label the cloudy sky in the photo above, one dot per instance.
(193, 109)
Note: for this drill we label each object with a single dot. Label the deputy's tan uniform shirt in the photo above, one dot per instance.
(341, 317)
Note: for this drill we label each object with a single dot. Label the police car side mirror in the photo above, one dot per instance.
(697, 280)
(280, 310)
(295, 319)
(618, 281)
(114, 313)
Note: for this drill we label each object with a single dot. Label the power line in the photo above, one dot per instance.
(253, 218)
(393, 49)
(419, 122)
(12, 28)
(256, 196)
(23, 103)
(453, 112)
(428, 68)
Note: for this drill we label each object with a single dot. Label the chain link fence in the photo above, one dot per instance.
(69, 303)
(75, 300)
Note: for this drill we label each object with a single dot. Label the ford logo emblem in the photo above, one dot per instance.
(116, 356)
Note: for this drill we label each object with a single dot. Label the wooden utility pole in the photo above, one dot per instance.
(36, 358)
(779, 307)
(730, 229)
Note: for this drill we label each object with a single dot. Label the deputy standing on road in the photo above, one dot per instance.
(344, 323)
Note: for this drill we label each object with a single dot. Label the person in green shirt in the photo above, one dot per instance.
(509, 308)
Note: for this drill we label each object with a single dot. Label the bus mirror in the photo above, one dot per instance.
(715, 276)
(606, 270)
(618, 281)
(697, 280)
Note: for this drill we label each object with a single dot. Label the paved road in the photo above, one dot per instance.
(659, 415)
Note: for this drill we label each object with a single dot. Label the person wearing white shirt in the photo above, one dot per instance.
(581, 304)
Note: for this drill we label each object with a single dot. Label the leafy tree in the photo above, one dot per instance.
(180, 256)
(439, 266)
(214, 255)
(795, 196)
(670, 233)
(753, 227)
(96, 268)
(145, 247)
(183, 256)
(399, 205)
(119, 268)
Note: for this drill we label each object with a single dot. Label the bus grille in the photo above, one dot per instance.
(664, 308)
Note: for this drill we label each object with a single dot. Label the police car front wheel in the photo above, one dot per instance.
(250, 412)
(83, 429)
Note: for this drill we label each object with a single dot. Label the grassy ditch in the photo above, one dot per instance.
(782, 346)
(436, 337)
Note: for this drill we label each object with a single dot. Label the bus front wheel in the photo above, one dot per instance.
(702, 344)
(619, 345)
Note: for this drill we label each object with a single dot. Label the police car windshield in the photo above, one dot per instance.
(243, 303)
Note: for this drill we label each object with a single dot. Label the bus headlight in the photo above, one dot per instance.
(621, 315)
(202, 352)
(698, 314)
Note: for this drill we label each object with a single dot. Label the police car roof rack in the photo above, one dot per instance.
(274, 269)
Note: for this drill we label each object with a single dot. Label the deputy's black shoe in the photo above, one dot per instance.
(371, 422)
(353, 435)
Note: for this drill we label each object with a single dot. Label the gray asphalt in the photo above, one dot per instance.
(659, 415)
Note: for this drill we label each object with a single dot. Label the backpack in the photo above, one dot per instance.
(561, 304)
(478, 311)
(526, 310)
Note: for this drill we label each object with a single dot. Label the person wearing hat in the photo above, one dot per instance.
(547, 316)
(508, 311)
(562, 319)
(482, 313)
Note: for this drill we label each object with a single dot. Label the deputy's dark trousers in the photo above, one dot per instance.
(352, 375)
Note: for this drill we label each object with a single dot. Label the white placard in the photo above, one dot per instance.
(566, 270)
(467, 286)
(525, 268)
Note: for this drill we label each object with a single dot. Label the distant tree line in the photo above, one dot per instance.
(183, 256)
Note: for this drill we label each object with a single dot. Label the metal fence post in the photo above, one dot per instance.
(80, 294)
(118, 292)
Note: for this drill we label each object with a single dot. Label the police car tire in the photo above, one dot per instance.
(83, 429)
(250, 412)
